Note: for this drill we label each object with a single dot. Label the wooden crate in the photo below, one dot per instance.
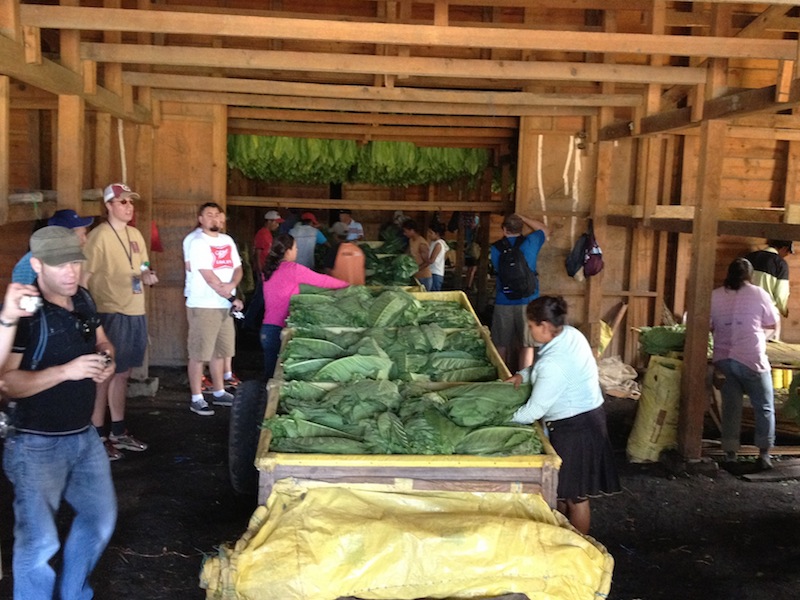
(536, 474)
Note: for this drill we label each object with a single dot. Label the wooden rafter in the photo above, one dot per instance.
(374, 93)
(388, 106)
(54, 78)
(226, 25)
(232, 58)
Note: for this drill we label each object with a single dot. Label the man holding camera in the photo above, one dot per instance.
(216, 270)
(59, 356)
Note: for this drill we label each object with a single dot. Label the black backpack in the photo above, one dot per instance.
(515, 275)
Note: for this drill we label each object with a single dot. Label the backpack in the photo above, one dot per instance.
(585, 254)
(517, 278)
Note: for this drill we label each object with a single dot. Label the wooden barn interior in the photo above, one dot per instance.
(672, 125)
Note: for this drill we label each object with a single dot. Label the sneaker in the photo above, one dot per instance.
(233, 382)
(206, 384)
(201, 407)
(730, 456)
(225, 400)
(112, 453)
(127, 442)
(763, 463)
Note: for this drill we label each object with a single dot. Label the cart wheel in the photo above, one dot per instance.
(247, 413)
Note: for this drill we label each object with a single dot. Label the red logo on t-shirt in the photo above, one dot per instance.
(223, 257)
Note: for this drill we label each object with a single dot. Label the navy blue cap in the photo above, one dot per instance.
(69, 218)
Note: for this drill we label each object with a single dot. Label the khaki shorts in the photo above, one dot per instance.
(211, 333)
(510, 326)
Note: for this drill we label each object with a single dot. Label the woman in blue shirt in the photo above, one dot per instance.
(566, 394)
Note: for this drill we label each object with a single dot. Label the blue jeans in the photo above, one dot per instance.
(427, 282)
(740, 380)
(271, 344)
(436, 286)
(45, 470)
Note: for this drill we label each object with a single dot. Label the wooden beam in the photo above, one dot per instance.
(232, 58)
(755, 229)
(445, 136)
(69, 171)
(366, 205)
(10, 23)
(312, 116)
(365, 93)
(701, 282)
(5, 146)
(54, 78)
(239, 26)
(729, 106)
(379, 106)
(764, 22)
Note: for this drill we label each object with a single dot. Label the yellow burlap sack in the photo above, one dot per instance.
(655, 427)
(316, 541)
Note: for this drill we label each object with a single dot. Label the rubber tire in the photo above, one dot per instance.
(247, 413)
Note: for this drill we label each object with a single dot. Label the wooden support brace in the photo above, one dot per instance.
(784, 83)
(33, 45)
(89, 77)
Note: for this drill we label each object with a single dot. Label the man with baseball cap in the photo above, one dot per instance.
(346, 224)
(59, 356)
(307, 237)
(23, 273)
(263, 240)
(117, 273)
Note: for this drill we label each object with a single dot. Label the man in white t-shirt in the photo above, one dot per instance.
(347, 226)
(216, 270)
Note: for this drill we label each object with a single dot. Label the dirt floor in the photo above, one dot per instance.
(673, 536)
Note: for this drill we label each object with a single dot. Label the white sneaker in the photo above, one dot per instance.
(201, 408)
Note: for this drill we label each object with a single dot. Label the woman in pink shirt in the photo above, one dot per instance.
(282, 279)
(740, 312)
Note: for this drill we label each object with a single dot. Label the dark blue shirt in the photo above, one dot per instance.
(66, 407)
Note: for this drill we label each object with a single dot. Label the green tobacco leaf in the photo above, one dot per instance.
(501, 441)
(351, 368)
(304, 369)
(298, 348)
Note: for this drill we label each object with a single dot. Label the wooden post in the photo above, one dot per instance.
(69, 170)
(5, 146)
(701, 282)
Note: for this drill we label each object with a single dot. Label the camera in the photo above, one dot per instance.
(30, 303)
(106, 357)
(6, 427)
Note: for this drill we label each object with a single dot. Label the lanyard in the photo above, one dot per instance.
(127, 250)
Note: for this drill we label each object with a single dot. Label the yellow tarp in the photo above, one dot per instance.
(316, 541)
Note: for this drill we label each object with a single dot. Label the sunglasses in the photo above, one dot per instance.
(124, 201)
(86, 326)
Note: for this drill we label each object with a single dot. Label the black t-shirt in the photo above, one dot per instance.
(67, 407)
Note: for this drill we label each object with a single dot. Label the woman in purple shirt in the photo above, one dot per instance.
(740, 312)
(282, 279)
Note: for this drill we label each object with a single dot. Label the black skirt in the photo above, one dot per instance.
(587, 467)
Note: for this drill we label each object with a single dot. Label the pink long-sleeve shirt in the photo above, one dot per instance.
(285, 283)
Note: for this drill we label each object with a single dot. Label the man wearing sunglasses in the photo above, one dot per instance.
(117, 273)
(59, 355)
